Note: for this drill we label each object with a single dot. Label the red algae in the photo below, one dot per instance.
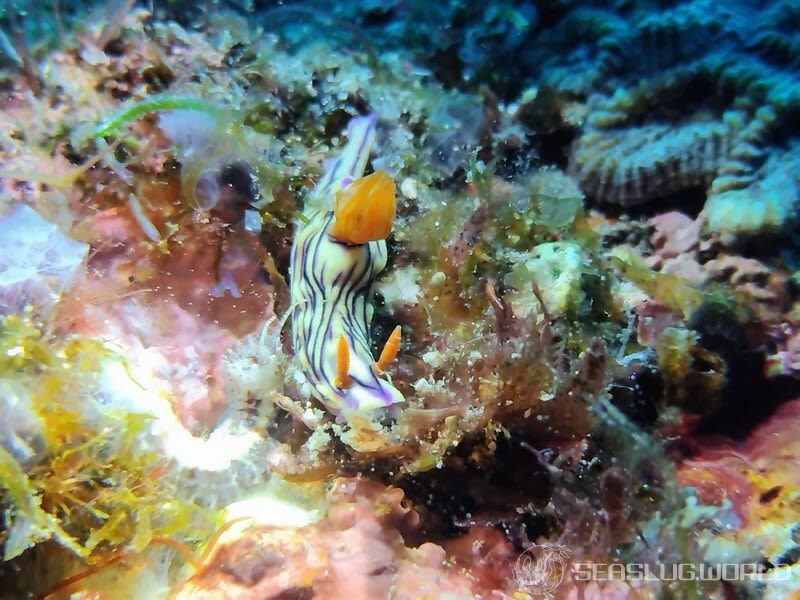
(757, 475)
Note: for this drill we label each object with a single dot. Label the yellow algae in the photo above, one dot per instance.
(86, 482)
(29, 523)
(671, 290)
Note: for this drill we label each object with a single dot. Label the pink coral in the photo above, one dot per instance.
(356, 551)
(674, 239)
(675, 233)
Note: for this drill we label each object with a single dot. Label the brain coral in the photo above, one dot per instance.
(701, 95)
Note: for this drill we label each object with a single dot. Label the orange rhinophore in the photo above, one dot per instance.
(389, 351)
(364, 210)
(342, 378)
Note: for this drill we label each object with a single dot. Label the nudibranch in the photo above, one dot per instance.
(339, 250)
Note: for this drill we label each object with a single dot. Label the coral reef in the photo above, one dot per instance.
(557, 388)
(687, 98)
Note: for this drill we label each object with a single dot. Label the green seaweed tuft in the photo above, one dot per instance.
(141, 107)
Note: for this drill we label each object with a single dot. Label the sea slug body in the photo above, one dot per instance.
(336, 256)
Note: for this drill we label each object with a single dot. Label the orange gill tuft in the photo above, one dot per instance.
(364, 210)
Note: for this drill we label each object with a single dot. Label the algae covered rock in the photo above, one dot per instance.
(556, 269)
